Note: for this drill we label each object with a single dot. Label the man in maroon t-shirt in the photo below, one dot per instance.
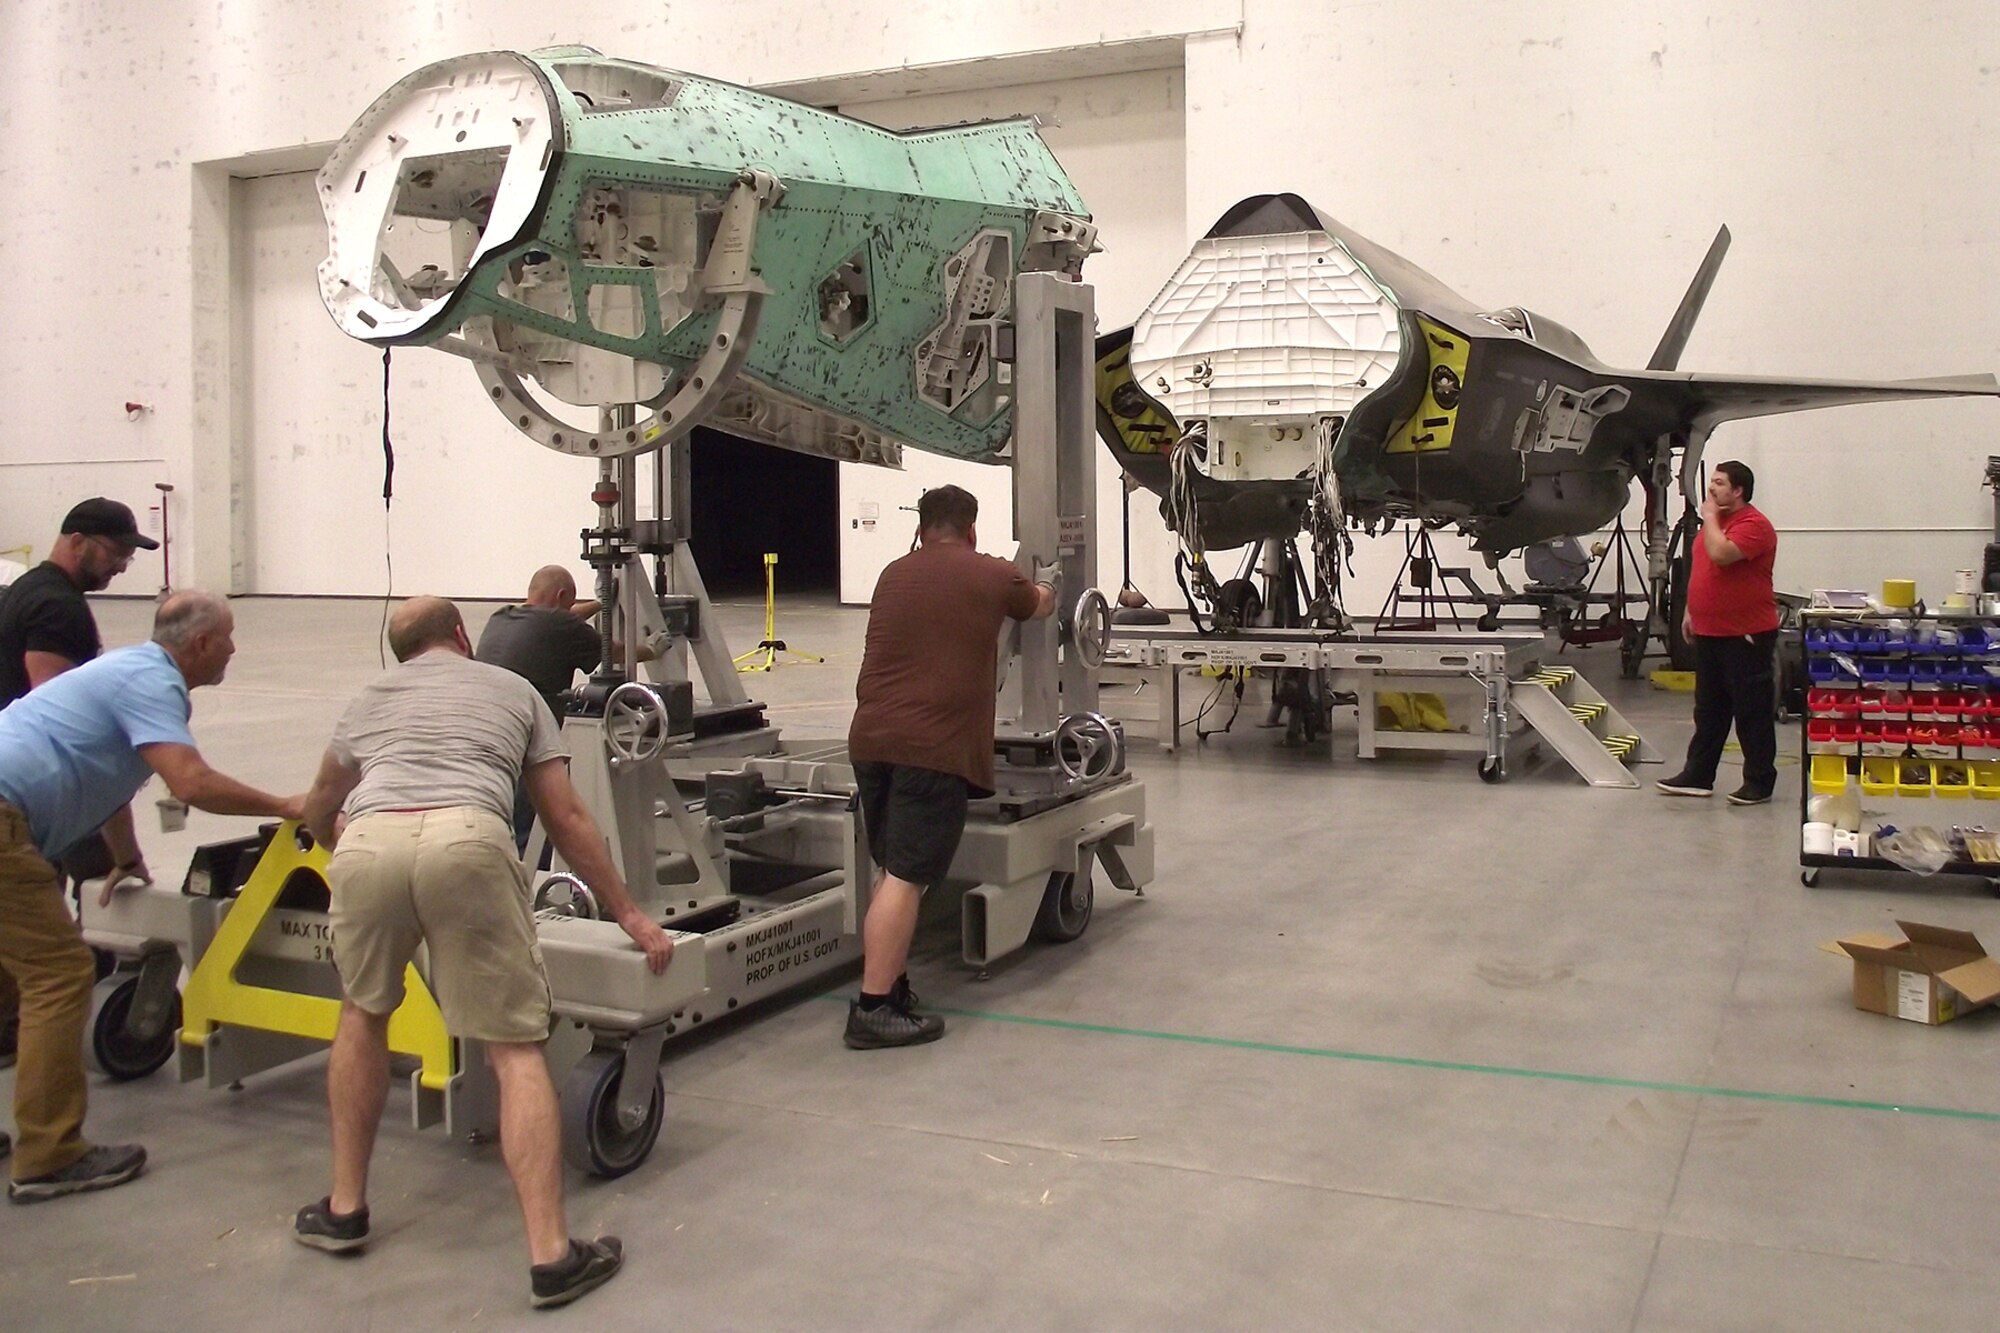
(1732, 620)
(922, 738)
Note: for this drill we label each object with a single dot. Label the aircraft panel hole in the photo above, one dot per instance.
(523, 421)
(556, 439)
(365, 318)
(459, 137)
(845, 306)
(360, 181)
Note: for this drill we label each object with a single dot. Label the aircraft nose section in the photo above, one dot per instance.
(441, 170)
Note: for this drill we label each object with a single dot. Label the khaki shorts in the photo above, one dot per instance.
(448, 879)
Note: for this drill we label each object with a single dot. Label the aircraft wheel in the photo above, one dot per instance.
(1492, 771)
(594, 1139)
(113, 1050)
(1067, 905)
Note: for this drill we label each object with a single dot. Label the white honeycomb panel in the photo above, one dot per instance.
(1266, 325)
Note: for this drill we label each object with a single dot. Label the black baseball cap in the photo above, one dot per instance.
(99, 517)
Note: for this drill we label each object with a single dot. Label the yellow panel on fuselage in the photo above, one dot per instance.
(1429, 428)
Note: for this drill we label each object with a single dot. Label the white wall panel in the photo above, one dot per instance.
(477, 507)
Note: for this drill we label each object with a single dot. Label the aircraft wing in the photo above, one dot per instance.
(1708, 400)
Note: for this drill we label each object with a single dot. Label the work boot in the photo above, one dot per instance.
(319, 1226)
(588, 1265)
(1680, 784)
(1749, 795)
(98, 1169)
(889, 1025)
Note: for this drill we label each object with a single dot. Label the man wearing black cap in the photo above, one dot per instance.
(45, 629)
(45, 625)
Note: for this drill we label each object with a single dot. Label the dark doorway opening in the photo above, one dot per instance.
(749, 498)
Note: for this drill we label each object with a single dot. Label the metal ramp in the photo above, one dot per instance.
(1577, 722)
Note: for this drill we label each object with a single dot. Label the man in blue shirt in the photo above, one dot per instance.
(72, 755)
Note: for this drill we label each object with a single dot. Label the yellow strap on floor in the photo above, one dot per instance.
(214, 996)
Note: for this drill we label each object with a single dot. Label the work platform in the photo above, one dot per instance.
(1522, 702)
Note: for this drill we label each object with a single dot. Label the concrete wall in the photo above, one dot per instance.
(1571, 157)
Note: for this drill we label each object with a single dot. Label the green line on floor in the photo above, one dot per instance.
(1463, 1067)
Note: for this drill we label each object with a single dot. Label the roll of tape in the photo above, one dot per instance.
(1899, 594)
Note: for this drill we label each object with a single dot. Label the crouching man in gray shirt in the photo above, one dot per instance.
(414, 797)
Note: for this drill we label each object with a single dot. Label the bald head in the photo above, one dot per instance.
(198, 630)
(187, 613)
(423, 623)
(552, 586)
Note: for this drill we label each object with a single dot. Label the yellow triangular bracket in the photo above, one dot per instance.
(213, 996)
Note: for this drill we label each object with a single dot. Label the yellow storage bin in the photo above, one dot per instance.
(1952, 778)
(1986, 779)
(1878, 776)
(1913, 777)
(1829, 774)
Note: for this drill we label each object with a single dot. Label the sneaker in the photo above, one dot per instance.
(889, 1025)
(1748, 795)
(588, 1265)
(319, 1226)
(99, 1169)
(901, 995)
(1680, 784)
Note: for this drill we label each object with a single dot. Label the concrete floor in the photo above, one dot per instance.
(1383, 1047)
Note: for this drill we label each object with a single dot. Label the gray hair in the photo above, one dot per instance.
(185, 614)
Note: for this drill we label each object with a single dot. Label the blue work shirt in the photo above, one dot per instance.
(69, 750)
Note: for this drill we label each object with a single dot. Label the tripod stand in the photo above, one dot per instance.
(1428, 578)
(771, 645)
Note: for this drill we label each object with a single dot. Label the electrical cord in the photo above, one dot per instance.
(1222, 682)
(388, 491)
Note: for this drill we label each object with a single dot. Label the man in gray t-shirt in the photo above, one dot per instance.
(546, 640)
(424, 764)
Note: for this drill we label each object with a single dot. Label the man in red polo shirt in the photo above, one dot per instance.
(1732, 620)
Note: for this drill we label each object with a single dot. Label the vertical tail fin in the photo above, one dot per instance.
(1667, 355)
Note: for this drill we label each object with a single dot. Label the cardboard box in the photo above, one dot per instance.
(1932, 975)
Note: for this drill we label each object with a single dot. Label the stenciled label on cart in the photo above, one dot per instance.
(305, 937)
(774, 951)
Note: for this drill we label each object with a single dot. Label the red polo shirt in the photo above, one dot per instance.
(1728, 600)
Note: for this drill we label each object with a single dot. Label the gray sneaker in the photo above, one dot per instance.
(889, 1025)
(99, 1169)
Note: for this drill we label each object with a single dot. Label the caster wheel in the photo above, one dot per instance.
(1492, 771)
(1809, 877)
(594, 1139)
(1066, 907)
(113, 1049)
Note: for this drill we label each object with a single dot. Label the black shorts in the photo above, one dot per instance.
(913, 817)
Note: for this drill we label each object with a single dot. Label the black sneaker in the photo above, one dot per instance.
(6, 1145)
(889, 1025)
(319, 1226)
(1680, 784)
(588, 1265)
(1748, 795)
(99, 1169)
(901, 995)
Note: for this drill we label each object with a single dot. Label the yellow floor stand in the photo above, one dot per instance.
(764, 657)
